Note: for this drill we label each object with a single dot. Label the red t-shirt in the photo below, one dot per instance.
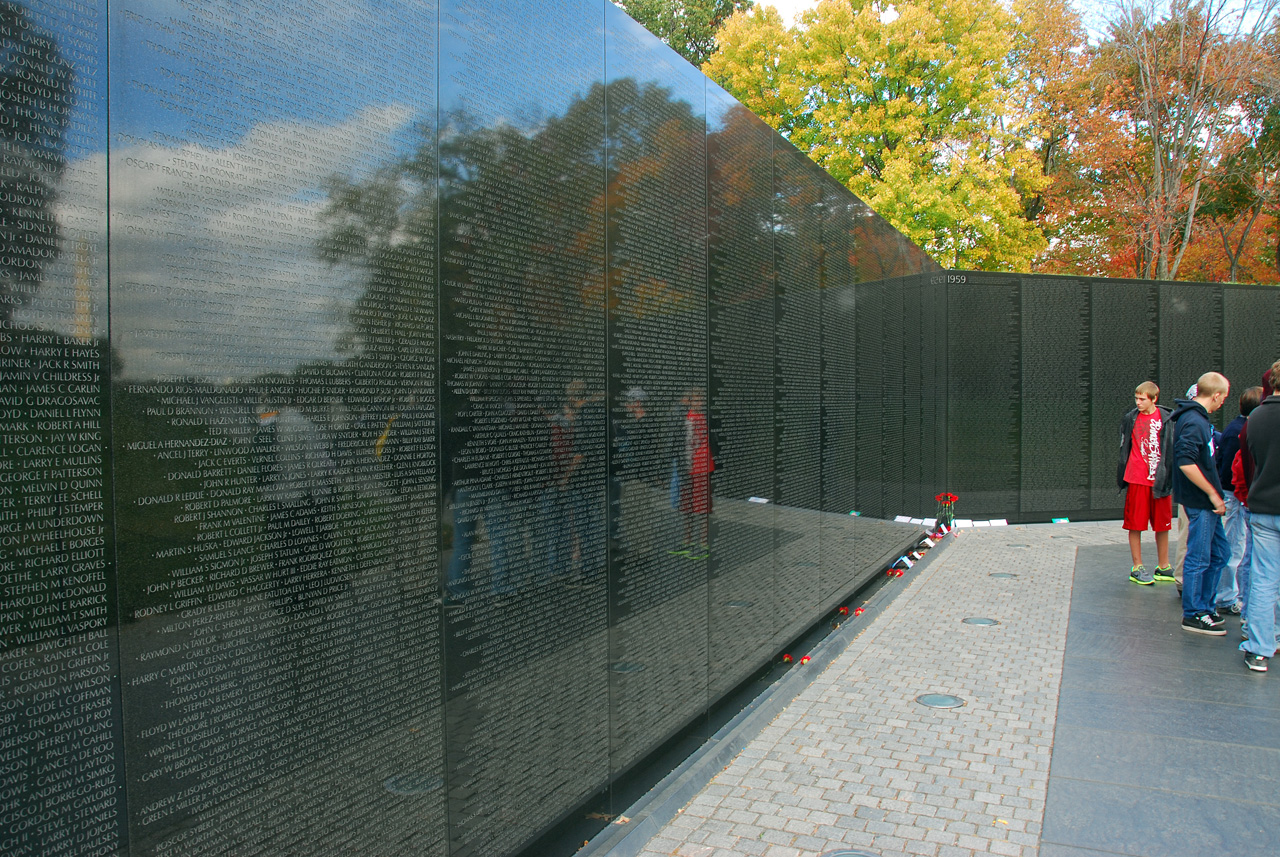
(1144, 451)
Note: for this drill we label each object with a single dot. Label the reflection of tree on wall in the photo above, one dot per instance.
(516, 212)
(740, 190)
(35, 101)
(386, 226)
(656, 162)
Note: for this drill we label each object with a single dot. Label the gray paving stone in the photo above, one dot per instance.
(855, 762)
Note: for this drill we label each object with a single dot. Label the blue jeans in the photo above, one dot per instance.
(1233, 584)
(554, 537)
(469, 505)
(1207, 555)
(1264, 582)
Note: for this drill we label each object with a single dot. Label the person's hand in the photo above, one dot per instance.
(1219, 507)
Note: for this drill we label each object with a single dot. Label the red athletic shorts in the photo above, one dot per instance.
(1141, 509)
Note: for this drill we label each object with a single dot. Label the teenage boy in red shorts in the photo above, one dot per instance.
(1146, 450)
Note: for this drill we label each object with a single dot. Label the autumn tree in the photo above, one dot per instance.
(687, 26)
(1049, 66)
(1176, 82)
(910, 105)
(1246, 186)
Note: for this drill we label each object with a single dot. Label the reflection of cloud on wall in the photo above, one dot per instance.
(213, 265)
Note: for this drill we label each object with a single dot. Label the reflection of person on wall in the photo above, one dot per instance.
(404, 452)
(585, 417)
(553, 510)
(696, 466)
(296, 477)
(479, 494)
(629, 444)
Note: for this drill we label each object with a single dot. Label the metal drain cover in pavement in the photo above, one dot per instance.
(1019, 546)
(739, 604)
(979, 620)
(939, 700)
(1002, 575)
(847, 853)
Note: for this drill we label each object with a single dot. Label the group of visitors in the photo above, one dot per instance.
(1228, 486)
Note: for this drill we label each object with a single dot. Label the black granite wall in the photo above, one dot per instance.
(1042, 369)
(412, 415)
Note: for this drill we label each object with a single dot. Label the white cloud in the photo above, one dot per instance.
(214, 272)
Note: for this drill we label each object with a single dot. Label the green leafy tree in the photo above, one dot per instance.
(688, 26)
(912, 106)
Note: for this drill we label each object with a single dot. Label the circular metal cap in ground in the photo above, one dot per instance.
(1018, 546)
(1002, 575)
(848, 853)
(739, 604)
(979, 620)
(939, 700)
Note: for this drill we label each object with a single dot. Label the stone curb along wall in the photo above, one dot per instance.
(411, 416)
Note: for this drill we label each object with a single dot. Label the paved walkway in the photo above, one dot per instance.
(854, 762)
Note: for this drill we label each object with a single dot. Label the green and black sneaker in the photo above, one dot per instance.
(1164, 574)
(1139, 574)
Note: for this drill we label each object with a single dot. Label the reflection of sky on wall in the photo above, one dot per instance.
(227, 119)
(227, 282)
(632, 52)
(213, 69)
(518, 64)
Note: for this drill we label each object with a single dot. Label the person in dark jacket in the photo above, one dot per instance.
(1197, 488)
(1263, 439)
(1146, 447)
(1234, 579)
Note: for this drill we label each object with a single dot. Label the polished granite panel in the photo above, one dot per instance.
(870, 469)
(1251, 332)
(984, 338)
(60, 728)
(443, 432)
(798, 392)
(743, 626)
(660, 442)
(524, 415)
(1124, 333)
(934, 452)
(1055, 395)
(1040, 371)
(1191, 324)
(839, 356)
(917, 349)
(273, 275)
(891, 435)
